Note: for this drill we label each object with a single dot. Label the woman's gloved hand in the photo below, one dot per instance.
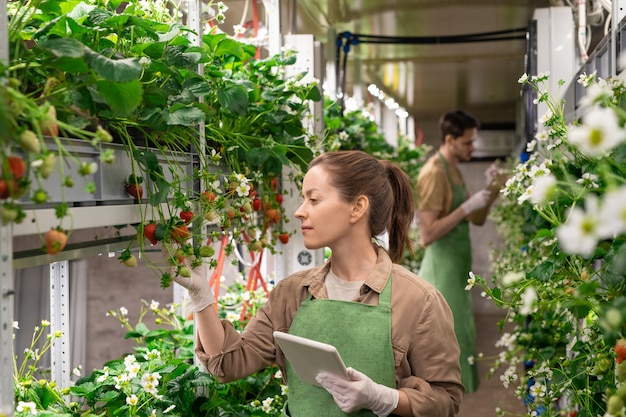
(359, 392)
(477, 201)
(197, 285)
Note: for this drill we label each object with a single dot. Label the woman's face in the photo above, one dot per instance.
(324, 215)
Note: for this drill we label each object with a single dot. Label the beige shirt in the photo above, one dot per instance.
(425, 347)
(434, 191)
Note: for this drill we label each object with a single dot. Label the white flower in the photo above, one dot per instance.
(546, 117)
(538, 390)
(239, 30)
(16, 325)
(588, 180)
(597, 93)
(543, 189)
(470, 281)
(523, 78)
(599, 134)
(528, 192)
(528, 298)
(612, 218)
(586, 79)
(580, 233)
(132, 400)
(26, 407)
(154, 305)
(542, 135)
(511, 278)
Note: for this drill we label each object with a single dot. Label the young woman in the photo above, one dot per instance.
(394, 331)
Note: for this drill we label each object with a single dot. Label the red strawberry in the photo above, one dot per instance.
(256, 204)
(149, 231)
(186, 215)
(55, 241)
(180, 233)
(4, 189)
(134, 187)
(279, 199)
(284, 238)
(135, 190)
(18, 167)
(208, 196)
(620, 350)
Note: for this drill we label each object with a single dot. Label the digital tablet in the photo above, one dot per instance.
(309, 357)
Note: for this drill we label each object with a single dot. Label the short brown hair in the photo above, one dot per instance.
(455, 123)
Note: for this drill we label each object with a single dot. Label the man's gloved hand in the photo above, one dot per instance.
(477, 201)
(491, 173)
(360, 392)
(197, 286)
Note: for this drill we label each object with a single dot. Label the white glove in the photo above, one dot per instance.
(477, 201)
(491, 173)
(360, 392)
(197, 285)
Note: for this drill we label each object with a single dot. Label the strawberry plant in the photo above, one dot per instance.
(111, 72)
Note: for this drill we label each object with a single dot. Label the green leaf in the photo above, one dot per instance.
(257, 156)
(160, 231)
(229, 47)
(64, 47)
(71, 65)
(147, 159)
(160, 196)
(119, 70)
(198, 86)
(185, 116)
(234, 98)
(123, 98)
(545, 271)
(314, 94)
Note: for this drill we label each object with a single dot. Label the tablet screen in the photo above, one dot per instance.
(309, 357)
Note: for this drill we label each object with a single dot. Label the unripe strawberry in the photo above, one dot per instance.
(103, 135)
(48, 124)
(130, 262)
(184, 271)
(206, 251)
(48, 164)
(29, 141)
(614, 405)
(8, 214)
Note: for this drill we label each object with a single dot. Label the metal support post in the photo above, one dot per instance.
(274, 26)
(7, 397)
(7, 403)
(60, 322)
(294, 256)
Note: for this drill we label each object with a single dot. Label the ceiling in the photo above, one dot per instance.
(425, 79)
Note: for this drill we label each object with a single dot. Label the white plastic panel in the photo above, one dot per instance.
(556, 48)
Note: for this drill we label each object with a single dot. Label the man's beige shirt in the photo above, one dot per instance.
(434, 191)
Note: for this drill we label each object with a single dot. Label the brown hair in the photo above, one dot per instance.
(455, 123)
(387, 187)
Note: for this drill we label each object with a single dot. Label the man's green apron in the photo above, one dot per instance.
(362, 335)
(446, 264)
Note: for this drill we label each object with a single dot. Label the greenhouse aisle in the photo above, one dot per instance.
(491, 393)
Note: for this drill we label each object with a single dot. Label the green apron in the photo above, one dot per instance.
(362, 335)
(446, 264)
